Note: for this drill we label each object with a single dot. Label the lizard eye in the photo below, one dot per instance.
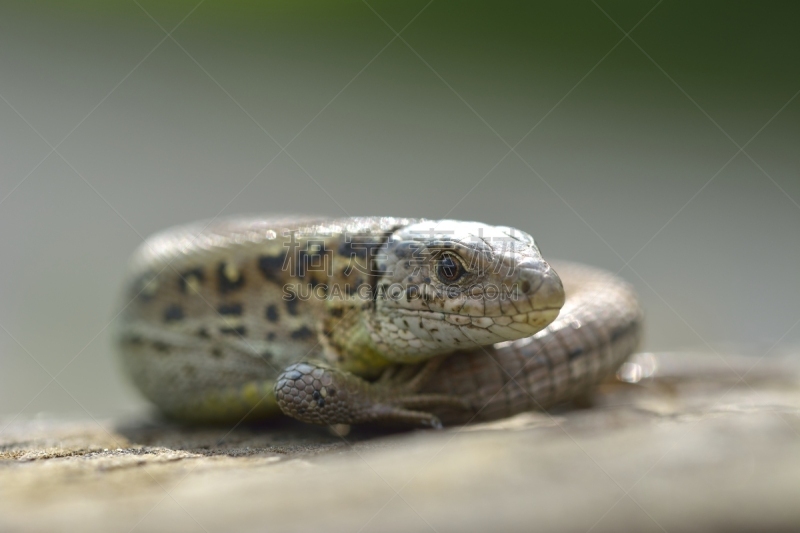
(449, 269)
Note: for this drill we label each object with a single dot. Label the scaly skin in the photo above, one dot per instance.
(361, 320)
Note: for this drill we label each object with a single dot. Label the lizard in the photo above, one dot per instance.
(365, 320)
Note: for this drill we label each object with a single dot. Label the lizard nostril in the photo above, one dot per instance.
(549, 293)
(525, 286)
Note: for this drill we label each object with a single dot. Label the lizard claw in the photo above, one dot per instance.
(321, 395)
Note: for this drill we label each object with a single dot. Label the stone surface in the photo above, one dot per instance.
(692, 448)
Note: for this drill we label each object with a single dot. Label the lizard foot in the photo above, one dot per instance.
(318, 394)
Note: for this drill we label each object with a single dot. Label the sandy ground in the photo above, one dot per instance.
(693, 448)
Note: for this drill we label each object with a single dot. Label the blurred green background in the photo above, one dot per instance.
(626, 151)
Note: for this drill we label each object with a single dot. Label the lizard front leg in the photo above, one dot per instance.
(319, 394)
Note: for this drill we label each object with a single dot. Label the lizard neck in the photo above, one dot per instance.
(348, 339)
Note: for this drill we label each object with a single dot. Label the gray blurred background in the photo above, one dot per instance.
(672, 156)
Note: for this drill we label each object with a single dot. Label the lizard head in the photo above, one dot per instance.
(448, 285)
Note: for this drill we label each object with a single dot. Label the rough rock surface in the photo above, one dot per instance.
(692, 448)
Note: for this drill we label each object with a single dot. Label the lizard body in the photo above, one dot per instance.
(356, 320)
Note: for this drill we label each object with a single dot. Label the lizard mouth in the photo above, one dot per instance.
(528, 322)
